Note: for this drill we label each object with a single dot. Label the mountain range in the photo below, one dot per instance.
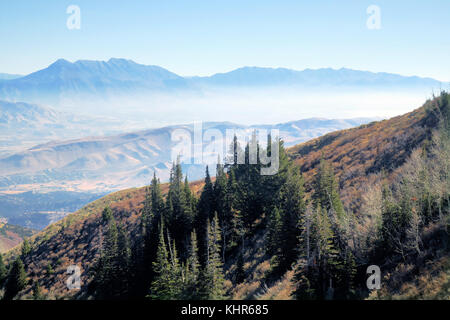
(64, 80)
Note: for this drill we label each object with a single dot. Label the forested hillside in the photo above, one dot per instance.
(378, 194)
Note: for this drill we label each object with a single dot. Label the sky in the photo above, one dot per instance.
(194, 37)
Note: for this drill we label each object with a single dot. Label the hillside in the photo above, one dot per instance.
(358, 154)
(12, 235)
(361, 157)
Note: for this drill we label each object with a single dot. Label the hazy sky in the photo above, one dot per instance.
(194, 37)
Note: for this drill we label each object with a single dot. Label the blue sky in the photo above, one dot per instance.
(194, 37)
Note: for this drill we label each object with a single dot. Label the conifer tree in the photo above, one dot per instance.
(37, 291)
(112, 270)
(123, 262)
(327, 190)
(3, 271)
(167, 282)
(273, 238)
(192, 271)
(16, 280)
(223, 207)
(144, 254)
(26, 249)
(213, 279)
(240, 272)
(204, 214)
(107, 215)
(179, 210)
(292, 195)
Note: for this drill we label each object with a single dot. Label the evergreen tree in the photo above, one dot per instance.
(123, 264)
(107, 215)
(223, 207)
(205, 213)
(37, 291)
(167, 282)
(240, 272)
(273, 238)
(326, 193)
(213, 279)
(3, 271)
(192, 273)
(16, 280)
(111, 271)
(144, 254)
(26, 249)
(292, 195)
(179, 210)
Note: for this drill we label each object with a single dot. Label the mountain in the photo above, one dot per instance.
(37, 210)
(256, 76)
(12, 235)
(105, 163)
(363, 158)
(89, 78)
(34, 124)
(64, 81)
(7, 76)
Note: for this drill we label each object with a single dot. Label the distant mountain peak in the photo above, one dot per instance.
(60, 62)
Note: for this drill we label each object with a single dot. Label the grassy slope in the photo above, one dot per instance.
(11, 236)
(356, 154)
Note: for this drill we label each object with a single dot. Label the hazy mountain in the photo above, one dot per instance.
(255, 76)
(63, 78)
(23, 125)
(7, 76)
(38, 210)
(107, 163)
(63, 81)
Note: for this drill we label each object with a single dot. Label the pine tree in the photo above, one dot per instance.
(112, 270)
(144, 254)
(3, 271)
(123, 263)
(37, 291)
(107, 215)
(205, 213)
(240, 272)
(273, 238)
(233, 211)
(223, 208)
(326, 193)
(213, 279)
(179, 210)
(167, 282)
(26, 249)
(292, 195)
(192, 273)
(16, 280)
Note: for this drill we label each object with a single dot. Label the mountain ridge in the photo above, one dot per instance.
(121, 76)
